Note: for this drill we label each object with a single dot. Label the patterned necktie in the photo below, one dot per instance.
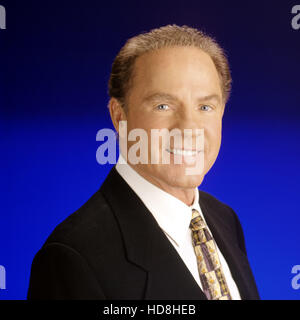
(209, 266)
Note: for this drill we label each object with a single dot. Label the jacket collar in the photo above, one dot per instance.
(146, 245)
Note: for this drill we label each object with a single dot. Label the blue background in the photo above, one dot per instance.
(55, 63)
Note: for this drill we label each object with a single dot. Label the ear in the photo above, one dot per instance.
(117, 112)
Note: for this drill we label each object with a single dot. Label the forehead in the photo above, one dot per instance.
(175, 69)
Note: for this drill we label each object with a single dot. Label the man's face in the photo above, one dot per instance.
(176, 87)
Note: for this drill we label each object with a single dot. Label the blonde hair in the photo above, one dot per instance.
(171, 35)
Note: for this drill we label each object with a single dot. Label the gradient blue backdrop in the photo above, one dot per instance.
(55, 63)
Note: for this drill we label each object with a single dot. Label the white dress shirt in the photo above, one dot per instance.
(165, 208)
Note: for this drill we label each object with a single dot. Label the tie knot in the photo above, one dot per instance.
(196, 222)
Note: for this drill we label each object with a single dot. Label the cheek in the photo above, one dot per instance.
(214, 136)
(140, 121)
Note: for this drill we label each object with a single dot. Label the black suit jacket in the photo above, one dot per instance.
(113, 248)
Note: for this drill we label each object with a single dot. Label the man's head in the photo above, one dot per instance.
(171, 77)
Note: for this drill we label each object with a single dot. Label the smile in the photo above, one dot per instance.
(183, 152)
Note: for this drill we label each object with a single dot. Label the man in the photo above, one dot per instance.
(148, 233)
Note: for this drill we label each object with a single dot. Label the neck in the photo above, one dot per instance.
(186, 195)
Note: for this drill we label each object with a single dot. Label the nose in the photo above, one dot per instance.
(191, 127)
(187, 119)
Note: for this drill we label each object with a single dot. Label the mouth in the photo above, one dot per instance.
(183, 152)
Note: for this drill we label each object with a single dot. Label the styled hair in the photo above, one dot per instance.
(121, 75)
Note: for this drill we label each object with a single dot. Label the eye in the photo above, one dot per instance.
(162, 107)
(205, 107)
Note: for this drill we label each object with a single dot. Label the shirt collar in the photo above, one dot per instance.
(172, 215)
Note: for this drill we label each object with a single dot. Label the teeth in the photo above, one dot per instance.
(183, 152)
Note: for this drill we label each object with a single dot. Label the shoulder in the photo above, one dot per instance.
(89, 224)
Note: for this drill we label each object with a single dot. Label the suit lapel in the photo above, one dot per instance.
(235, 258)
(147, 246)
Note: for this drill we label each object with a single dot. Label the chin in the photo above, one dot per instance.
(179, 179)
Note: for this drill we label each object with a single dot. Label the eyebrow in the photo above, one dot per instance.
(160, 95)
